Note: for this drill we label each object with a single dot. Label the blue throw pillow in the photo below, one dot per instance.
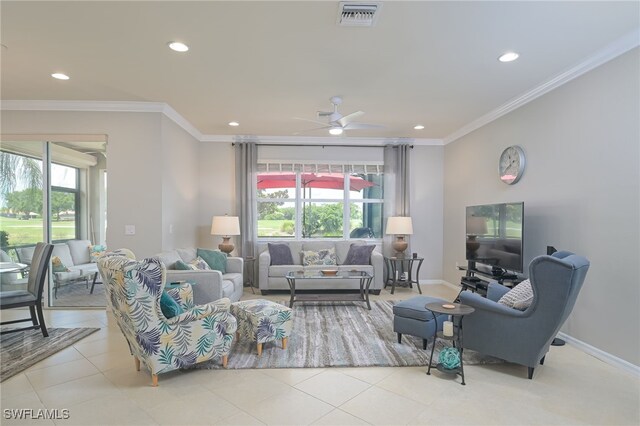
(181, 266)
(169, 306)
(215, 259)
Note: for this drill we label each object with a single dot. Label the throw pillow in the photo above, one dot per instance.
(199, 264)
(520, 297)
(280, 254)
(181, 266)
(359, 254)
(320, 257)
(215, 259)
(169, 306)
(58, 266)
(95, 251)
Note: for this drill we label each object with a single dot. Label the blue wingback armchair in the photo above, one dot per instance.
(523, 337)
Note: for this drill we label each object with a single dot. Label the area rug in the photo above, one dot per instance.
(21, 350)
(340, 334)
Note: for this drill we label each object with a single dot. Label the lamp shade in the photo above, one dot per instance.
(476, 225)
(225, 225)
(399, 225)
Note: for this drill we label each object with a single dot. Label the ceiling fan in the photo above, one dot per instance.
(338, 123)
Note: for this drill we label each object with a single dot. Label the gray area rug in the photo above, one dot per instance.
(340, 334)
(21, 350)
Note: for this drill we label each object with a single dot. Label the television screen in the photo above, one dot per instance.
(494, 235)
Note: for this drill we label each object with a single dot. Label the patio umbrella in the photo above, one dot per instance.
(311, 180)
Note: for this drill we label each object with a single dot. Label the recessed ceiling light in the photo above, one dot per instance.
(418, 127)
(234, 123)
(178, 47)
(60, 76)
(508, 57)
(335, 131)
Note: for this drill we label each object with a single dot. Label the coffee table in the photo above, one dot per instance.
(363, 296)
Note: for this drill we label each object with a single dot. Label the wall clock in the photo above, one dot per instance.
(511, 166)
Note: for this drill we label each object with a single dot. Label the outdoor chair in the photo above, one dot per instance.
(32, 296)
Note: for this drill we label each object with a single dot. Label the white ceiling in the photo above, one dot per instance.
(262, 63)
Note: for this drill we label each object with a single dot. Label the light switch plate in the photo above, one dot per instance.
(129, 230)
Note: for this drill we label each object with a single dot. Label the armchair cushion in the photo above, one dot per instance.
(520, 297)
(169, 306)
(215, 259)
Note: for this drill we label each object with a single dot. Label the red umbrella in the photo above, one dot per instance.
(311, 180)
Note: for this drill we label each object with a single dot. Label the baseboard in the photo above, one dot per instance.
(448, 284)
(431, 282)
(601, 355)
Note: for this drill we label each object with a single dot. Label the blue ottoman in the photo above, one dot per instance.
(411, 317)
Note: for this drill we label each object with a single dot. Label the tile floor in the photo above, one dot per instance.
(96, 381)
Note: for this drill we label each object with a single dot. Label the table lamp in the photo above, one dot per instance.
(225, 226)
(399, 226)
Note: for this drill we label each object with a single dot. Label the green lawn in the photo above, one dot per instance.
(22, 232)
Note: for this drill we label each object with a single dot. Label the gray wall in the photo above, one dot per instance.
(580, 189)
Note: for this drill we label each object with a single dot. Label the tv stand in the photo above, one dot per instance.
(478, 281)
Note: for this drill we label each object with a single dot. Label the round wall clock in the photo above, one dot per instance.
(511, 166)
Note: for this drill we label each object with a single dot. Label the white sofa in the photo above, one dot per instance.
(272, 277)
(74, 254)
(209, 285)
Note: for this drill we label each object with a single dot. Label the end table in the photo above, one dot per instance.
(396, 266)
(458, 310)
(249, 265)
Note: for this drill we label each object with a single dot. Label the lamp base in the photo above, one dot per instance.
(225, 246)
(400, 245)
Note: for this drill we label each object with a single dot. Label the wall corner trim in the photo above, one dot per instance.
(612, 51)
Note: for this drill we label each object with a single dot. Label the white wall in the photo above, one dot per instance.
(427, 198)
(217, 194)
(134, 192)
(180, 181)
(580, 189)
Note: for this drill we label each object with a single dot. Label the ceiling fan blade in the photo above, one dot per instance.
(312, 121)
(311, 130)
(357, 126)
(349, 118)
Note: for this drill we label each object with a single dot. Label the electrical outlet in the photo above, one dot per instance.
(129, 230)
(171, 228)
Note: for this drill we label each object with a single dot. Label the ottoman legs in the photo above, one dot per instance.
(284, 345)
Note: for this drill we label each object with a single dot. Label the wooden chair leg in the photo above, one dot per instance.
(259, 349)
(137, 361)
(154, 380)
(237, 336)
(284, 342)
(225, 361)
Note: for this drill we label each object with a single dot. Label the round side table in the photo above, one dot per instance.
(458, 310)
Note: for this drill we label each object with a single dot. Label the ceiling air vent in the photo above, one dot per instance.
(358, 14)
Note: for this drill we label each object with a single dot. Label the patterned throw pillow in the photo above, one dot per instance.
(199, 264)
(520, 297)
(95, 251)
(215, 259)
(320, 257)
(58, 266)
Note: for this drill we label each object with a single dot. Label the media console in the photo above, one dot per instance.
(478, 281)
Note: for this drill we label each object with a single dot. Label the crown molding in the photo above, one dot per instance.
(172, 114)
(613, 50)
(319, 140)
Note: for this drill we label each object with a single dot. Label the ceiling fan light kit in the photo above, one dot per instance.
(338, 123)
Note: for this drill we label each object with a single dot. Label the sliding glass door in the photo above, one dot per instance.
(55, 191)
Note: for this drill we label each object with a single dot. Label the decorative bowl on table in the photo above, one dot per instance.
(329, 271)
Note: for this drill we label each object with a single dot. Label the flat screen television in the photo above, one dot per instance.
(494, 236)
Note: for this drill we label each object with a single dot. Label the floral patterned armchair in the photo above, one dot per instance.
(133, 291)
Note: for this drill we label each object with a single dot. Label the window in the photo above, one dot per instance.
(301, 204)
